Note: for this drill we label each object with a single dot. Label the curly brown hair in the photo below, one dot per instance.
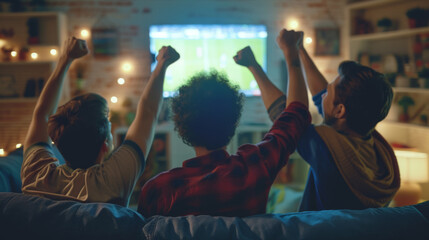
(207, 110)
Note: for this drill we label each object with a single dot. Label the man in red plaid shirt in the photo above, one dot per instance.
(206, 113)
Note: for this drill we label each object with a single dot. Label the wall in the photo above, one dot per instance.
(132, 18)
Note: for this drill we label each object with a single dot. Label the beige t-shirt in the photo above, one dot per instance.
(111, 181)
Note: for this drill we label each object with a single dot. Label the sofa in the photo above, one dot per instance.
(25, 217)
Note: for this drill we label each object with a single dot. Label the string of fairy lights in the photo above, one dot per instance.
(127, 67)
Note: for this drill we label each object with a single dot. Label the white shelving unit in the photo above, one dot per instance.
(16, 109)
(397, 42)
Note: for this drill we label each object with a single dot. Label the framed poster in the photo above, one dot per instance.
(327, 42)
(105, 42)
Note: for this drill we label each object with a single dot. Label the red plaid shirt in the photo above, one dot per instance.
(220, 184)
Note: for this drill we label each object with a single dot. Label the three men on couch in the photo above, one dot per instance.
(352, 165)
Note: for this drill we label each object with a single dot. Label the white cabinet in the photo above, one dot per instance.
(27, 34)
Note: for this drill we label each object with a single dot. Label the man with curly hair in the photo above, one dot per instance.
(206, 113)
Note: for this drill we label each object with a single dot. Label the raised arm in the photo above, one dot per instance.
(142, 129)
(48, 101)
(315, 80)
(289, 42)
(269, 91)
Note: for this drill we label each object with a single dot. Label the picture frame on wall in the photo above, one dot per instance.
(327, 42)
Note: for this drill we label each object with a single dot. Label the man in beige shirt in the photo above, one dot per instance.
(81, 131)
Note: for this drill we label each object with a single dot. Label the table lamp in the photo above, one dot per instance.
(413, 167)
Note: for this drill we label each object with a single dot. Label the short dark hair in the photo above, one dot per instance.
(207, 110)
(79, 128)
(366, 95)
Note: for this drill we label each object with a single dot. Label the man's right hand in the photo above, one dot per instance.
(167, 56)
(289, 40)
(245, 57)
(75, 48)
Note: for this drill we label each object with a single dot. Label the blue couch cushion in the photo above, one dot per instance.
(377, 224)
(10, 172)
(39, 218)
(23, 216)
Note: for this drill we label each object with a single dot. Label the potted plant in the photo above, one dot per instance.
(405, 102)
(417, 17)
(385, 24)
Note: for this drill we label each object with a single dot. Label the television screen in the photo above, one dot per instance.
(206, 47)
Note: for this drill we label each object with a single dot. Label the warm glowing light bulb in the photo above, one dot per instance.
(293, 24)
(53, 52)
(126, 67)
(34, 55)
(121, 81)
(114, 99)
(13, 53)
(84, 33)
(308, 40)
(18, 145)
(2, 153)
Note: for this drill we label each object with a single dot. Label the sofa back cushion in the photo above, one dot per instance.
(39, 218)
(381, 223)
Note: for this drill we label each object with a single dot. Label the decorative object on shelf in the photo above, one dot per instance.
(327, 42)
(7, 33)
(30, 88)
(405, 102)
(104, 38)
(402, 81)
(376, 62)
(7, 57)
(413, 167)
(33, 30)
(23, 54)
(417, 17)
(390, 64)
(7, 87)
(385, 24)
(424, 78)
(362, 26)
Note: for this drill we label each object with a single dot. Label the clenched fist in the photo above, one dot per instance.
(75, 48)
(289, 40)
(245, 57)
(167, 55)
